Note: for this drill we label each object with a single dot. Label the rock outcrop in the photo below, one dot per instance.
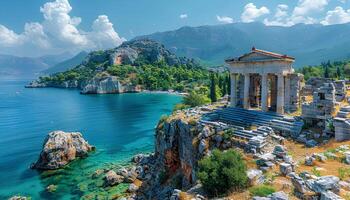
(60, 148)
(106, 85)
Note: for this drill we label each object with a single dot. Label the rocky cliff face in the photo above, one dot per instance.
(180, 144)
(107, 85)
(60, 148)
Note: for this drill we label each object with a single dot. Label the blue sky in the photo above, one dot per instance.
(119, 20)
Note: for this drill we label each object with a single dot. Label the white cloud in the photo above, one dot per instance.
(183, 16)
(58, 32)
(302, 13)
(224, 19)
(251, 12)
(337, 16)
(307, 7)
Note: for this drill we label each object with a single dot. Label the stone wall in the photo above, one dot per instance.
(323, 105)
(316, 82)
(341, 124)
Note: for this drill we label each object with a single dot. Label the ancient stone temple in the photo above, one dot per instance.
(264, 80)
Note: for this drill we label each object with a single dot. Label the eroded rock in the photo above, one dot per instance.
(60, 148)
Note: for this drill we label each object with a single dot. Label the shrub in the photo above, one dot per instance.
(180, 106)
(194, 99)
(262, 190)
(222, 172)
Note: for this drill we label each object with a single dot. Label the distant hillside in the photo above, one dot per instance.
(67, 64)
(310, 44)
(27, 67)
(133, 66)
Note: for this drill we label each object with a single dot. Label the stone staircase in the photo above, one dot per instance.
(247, 118)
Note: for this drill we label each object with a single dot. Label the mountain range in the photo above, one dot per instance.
(309, 44)
(28, 67)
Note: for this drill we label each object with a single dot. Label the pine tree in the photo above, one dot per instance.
(326, 70)
(213, 96)
(338, 72)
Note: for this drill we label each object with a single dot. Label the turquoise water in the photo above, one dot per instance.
(118, 125)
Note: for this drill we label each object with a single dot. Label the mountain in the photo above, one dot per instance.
(27, 67)
(309, 44)
(131, 67)
(67, 64)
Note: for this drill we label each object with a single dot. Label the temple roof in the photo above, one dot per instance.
(257, 55)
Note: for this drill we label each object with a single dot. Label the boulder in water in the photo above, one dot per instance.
(60, 148)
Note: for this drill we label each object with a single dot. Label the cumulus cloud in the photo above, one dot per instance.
(224, 19)
(302, 13)
(183, 16)
(58, 32)
(306, 7)
(251, 12)
(337, 16)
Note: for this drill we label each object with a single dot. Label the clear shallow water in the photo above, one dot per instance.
(118, 125)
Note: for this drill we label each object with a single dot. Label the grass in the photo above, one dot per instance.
(316, 172)
(343, 173)
(262, 190)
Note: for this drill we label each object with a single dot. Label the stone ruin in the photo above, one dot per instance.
(322, 106)
(263, 80)
(314, 83)
(341, 124)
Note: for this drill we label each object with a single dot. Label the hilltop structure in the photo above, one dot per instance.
(265, 80)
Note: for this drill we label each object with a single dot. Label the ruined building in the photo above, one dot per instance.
(264, 80)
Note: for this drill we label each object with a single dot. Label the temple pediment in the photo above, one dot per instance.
(257, 55)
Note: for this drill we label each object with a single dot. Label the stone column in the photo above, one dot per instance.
(264, 92)
(287, 94)
(273, 92)
(233, 90)
(280, 94)
(246, 91)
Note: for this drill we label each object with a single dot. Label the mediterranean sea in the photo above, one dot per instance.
(119, 125)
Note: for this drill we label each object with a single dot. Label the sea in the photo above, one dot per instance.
(118, 125)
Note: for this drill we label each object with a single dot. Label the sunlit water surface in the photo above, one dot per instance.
(118, 125)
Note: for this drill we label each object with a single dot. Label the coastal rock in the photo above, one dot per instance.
(18, 198)
(60, 148)
(113, 178)
(103, 85)
(202, 146)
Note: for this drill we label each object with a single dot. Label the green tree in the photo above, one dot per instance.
(213, 88)
(338, 73)
(222, 172)
(347, 70)
(195, 99)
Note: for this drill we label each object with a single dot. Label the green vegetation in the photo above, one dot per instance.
(195, 98)
(335, 70)
(343, 173)
(222, 172)
(261, 190)
(316, 172)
